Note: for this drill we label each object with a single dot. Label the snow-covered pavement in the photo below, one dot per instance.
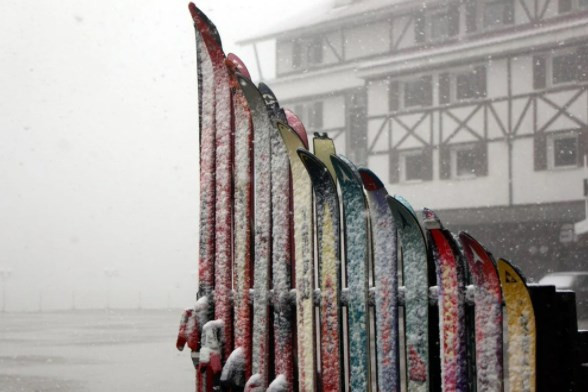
(92, 351)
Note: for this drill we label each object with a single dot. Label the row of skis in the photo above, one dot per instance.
(311, 274)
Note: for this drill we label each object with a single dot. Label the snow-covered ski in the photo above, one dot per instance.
(520, 332)
(355, 213)
(213, 350)
(281, 246)
(488, 314)
(304, 260)
(383, 235)
(329, 263)
(237, 368)
(451, 302)
(262, 129)
(415, 266)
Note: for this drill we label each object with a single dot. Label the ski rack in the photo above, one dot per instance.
(232, 330)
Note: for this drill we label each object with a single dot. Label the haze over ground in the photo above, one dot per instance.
(98, 148)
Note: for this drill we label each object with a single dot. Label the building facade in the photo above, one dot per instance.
(475, 108)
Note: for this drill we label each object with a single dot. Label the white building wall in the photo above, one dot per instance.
(530, 186)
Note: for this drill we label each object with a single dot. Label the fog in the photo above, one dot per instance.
(99, 149)
(480, 115)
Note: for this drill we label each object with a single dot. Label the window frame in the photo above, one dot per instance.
(402, 155)
(482, 15)
(550, 146)
(550, 66)
(453, 152)
(416, 79)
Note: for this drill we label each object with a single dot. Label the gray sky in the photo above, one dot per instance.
(98, 142)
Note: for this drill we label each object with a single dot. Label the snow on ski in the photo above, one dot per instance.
(520, 332)
(488, 314)
(329, 262)
(451, 286)
(207, 163)
(223, 235)
(383, 235)
(416, 294)
(262, 231)
(238, 365)
(304, 263)
(357, 260)
(281, 244)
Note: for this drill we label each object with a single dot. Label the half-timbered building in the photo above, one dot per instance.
(475, 108)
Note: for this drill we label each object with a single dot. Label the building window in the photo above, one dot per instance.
(562, 66)
(471, 83)
(564, 6)
(414, 165)
(467, 84)
(562, 150)
(463, 161)
(307, 52)
(439, 25)
(315, 51)
(411, 166)
(311, 114)
(418, 92)
(497, 13)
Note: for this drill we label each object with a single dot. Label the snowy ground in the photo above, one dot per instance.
(92, 351)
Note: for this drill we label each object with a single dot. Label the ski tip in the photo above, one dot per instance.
(204, 24)
(289, 134)
(313, 165)
(510, 273)
(268, 94)
(238, 64)
(431, 220)
(345, 169)
(193, 10)
(371, 182)
(296, 124)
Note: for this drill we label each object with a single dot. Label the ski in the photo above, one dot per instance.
(304, 263)
(356, 239)
(415, 266)
(207, 162)
(209, 369)
(262, 129)
(329, 264)
(383, 235)
(295, 123)
(451, 303)
(487, 314)
(520, 330)
(281, 246)
(237, 368)
(323, 147)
